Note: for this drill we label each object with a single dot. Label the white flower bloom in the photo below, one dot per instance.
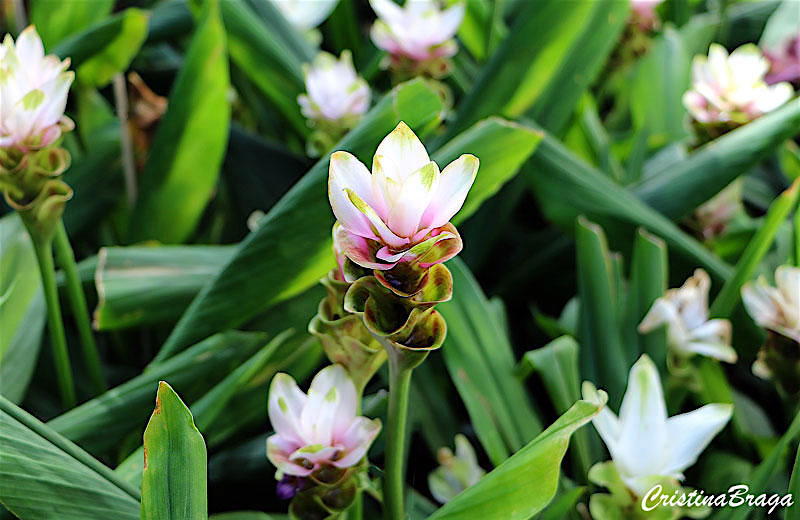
(732, 88)
(33, 93)
(647, 446)
(305, 14)
(776, 308)
(320, 428)
(685, 313)
(334, 91)
(455, 472)
(420, 30)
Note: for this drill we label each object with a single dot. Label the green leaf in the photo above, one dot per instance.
(104, 420)
(290, 250)
(501, 146)
(184, 162)
(22, 308)
(677, 189)
(56, 19)
(525, 483)
(42, 473)
(566, 187)
(174, 482)
(793, 512)
(208, 407)
(604, 360)
(142, 285)
(244, 515)
(730, 295)
(480, 359)
(572, 41)
(118, 53)
(93, 39)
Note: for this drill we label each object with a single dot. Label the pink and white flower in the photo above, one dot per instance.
(33, 93)
(335, 92)
(776, 308)
(318, 429)
(732, 88)
(784, 61)
(401, 211)
(420, 30)
(689, 331)
(644, 13)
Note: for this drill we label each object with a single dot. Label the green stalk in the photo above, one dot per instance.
(44, 255)
(394, 478)
(66, 260)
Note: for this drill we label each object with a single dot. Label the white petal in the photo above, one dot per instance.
(690, 433)
(278, 452)
(403, 153)
(406, 210)
(379, 227)
(357, 440)
(663, 312)
(29, 46)
(387, 10)
(456, 180)
(761, 307)
(449, 22)
(331, 401)
(347, 172)
(286, 403)
(774, 96)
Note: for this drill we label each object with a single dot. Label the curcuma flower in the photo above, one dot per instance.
(455, 472)
(731, 89)
(305, 14)
(400, 213)
(776, 308)
(646, 446)
(419, 31)
(644, 13)
(335, 93)
(689, 331)
(784, 62)
(320, 429)
(33, 93)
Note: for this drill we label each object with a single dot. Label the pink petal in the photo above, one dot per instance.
(357, 440)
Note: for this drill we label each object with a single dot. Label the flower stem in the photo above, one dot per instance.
(44, 255)
(394, 483)
(66, 260)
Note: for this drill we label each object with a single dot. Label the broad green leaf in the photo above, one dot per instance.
(208, 407)
(566, 187)
(764, 472)
(56, 19)
(678, 189)
(603, 361)
(290, 250)
(782, 26)
(501, 146)
(22, 308)
(245, 515)
(118, 53)
(572, 41)
(526, 482)
(588, 138)
(480, 359)
(649, 281)
(184, 162)
(287, 35)
(793, 512)
(174, 482)
(142, 285)
(104, 420)
(93, 39)
(730, 295)
(563, 505)
(43, 475)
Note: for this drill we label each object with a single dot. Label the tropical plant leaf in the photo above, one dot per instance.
(174, 481)
(184, 163)
(793, 511)
(55, 20)
(42, 475)
(506, 493)
(118, 53)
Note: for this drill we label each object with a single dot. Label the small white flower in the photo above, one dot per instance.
(318, 429)
(305, 14)
(420, 30)
(646, 445)
(335, 92)
(732, 88)
(685, 313)
(455, 472)
(33, 93)
(776, 308)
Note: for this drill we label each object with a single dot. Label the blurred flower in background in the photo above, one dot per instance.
(689, 331)
(403, 209)
(644, 14)
(33, 93)
(784, 62)
(731, 88)
(417, 36)
(319, 429)
(305, 14)
(335, 93)
(776, 308)
(455, 472)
